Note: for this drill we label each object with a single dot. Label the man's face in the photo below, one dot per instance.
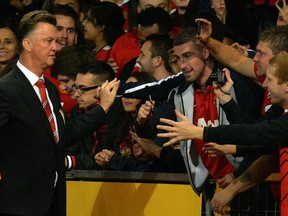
(66, 31)
(90, 97)
(66, 84)
(143, 32)
(278, 92)
(144, 4)
(145, 59)
(190, 61)
(41, 44)
(262, 57)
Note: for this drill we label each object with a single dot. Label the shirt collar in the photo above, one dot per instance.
(33, 78)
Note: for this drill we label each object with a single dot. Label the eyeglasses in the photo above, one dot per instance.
(81, 90)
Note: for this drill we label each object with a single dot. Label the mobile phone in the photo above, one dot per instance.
(198, 27)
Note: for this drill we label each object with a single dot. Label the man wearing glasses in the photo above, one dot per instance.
(87, 91)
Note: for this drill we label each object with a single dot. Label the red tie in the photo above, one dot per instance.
(40, 84)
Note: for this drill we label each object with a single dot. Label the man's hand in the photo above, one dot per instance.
(221, 199)
(241, 49)
(206, 30)
(215, 150)
(146, 145)
(113, 64)
(103, 158)
(145, 112)
(178, 131)
(108, 93)
(283, 12)
(225, 180)
(223, 92)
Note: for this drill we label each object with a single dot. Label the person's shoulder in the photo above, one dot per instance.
(128, 36)
(8, 79)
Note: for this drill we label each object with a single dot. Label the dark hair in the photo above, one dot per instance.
(125, 120)
(156, 15)
(276, 37)
(100, 68)
(160, 46)
(78, 2)
(69, 61)
(29, 21)
(6, 22)
(66, 11)
(110, 17)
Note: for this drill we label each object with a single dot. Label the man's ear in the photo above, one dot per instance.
(171, 35)
(286, 86)
(100, 28)
(157, 61)
(206, 53)
(26, 43)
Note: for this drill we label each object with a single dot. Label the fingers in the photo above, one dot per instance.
(134, 136)
(165, 127)
(203, 21)
(227, 74)
(168, 122)
(180, 115)
(113, 64)
(171, 142)
(137, 150)
(103, 157)
(216, 207)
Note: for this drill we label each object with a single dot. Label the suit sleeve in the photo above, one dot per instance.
(85, 124)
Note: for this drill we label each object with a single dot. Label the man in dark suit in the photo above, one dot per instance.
(32, 171)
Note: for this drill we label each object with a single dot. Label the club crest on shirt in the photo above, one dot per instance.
(209, 123)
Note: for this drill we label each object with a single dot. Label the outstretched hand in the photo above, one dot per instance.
(178, 131)
(215, 150)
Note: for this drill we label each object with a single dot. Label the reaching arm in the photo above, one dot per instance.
(254, 175)
(225, 54)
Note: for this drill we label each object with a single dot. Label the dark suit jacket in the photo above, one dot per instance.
(29, 157)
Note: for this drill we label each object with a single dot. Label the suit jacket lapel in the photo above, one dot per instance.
(32, 100)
